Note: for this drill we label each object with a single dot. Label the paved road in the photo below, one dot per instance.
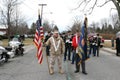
(105, 67)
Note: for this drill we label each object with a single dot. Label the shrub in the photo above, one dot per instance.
(108, 36)
(3, 37)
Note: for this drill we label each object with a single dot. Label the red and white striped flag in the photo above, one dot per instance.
(38, 40)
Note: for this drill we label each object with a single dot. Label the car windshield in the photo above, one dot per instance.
(15, 39)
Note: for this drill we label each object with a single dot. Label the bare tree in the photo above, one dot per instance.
(22, 29)
(76, 25)
(8, 14)
(89, 5)
(46, 26)
(104, 23)
(33, 28)
(94, 27)
(116, 23)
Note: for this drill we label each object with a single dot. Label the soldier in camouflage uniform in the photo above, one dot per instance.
(56, 51)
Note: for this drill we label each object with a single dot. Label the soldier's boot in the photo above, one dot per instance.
(61, 71)
(51, 71)
(77, 68)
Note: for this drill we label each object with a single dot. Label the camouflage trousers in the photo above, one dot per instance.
(53, 58)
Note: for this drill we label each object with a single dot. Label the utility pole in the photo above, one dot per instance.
(42, 10)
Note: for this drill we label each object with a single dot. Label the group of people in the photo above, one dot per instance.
(94, 44)
(58, 45)
(72, 46)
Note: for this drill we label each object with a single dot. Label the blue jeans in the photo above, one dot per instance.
(94, 50)
(91, 50)
(73, 56)
(67, 50)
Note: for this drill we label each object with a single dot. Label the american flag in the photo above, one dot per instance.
(38, 40)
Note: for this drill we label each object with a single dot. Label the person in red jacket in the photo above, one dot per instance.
(75, 40)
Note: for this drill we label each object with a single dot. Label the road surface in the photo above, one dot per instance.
(105, 67)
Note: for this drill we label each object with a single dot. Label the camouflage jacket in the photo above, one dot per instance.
(58, 43)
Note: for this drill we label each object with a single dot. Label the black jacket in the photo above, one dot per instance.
(117, 43)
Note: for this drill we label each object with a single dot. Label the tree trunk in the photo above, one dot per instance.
(8, 25)
(117, 7)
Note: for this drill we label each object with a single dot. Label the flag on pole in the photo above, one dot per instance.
(82, 52)
(81, 47)
(38, 39)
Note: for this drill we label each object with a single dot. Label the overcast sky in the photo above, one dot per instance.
(62, 16)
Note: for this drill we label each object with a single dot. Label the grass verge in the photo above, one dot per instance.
(27, 41)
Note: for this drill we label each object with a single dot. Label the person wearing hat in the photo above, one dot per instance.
(68, 46)
(81, 53)
(56, 44)
(76, 40)
(91, 41)
(98, 41)
(47, 47)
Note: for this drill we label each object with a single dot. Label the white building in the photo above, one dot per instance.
(3, 30)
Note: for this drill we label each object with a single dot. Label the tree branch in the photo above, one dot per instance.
(103, 3)
(86, 5)
(91, 9)
(79, 5)
(112, 9)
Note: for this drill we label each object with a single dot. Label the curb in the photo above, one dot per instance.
(110, 51)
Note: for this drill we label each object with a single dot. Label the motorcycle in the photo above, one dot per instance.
(19, 50)
(4, 56)
(17, 47)
(10, 51)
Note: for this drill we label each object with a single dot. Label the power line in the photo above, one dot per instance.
(28, 6)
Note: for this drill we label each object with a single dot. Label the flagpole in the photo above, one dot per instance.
(41, 23)
(43, 48)
(86, 34)
(38, 13)
(42, 10)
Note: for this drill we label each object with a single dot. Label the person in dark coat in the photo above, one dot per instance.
(118, 46)
(47, 47)
(68, 47)
(112, 43)
(94, 45)
(98, 41)
(63, 37)
(91, 45)
(82, 49)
